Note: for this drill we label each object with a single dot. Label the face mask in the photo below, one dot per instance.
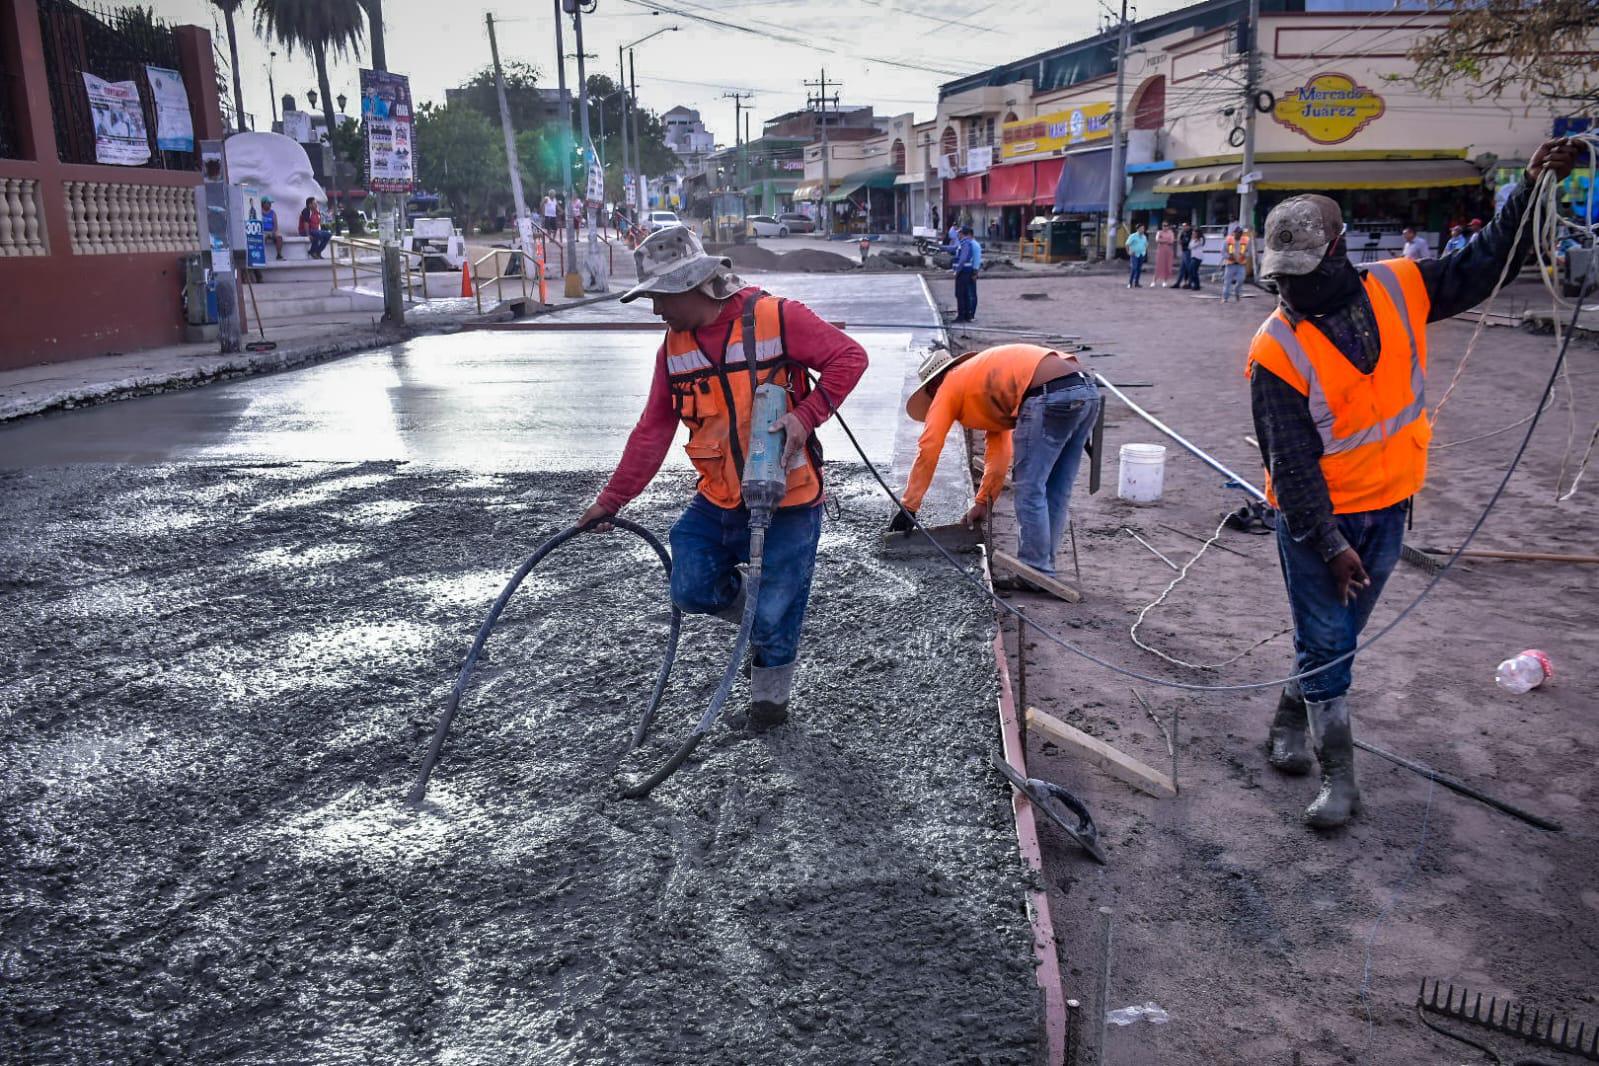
(1333, 283)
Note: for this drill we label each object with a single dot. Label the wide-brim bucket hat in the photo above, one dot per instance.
(673, 260)
(939, 362)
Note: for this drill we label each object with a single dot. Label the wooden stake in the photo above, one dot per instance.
(1122, 767)
(1055, 588)
(1523, 557)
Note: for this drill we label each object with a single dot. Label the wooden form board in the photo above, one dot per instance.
(1054, 587)
(1122, 767)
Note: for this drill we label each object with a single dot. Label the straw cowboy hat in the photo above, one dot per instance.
(938, 362)
(673, 260)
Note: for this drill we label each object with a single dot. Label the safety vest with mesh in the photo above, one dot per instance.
(1238, 254)
(1374, 427)
(714, 401)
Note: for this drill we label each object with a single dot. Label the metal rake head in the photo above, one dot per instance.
(1544, 1030)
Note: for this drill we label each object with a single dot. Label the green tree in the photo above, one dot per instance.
(521, 94)
(374, 22)
(228, 8)
(321, 27)
(1526, 49)
(461, 157)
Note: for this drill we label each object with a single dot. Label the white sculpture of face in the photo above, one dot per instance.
(276, 165)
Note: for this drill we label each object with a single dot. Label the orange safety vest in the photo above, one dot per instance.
(714, 401)
(1374, 427)
(1243, 249)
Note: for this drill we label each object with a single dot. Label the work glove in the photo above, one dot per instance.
(904, 522)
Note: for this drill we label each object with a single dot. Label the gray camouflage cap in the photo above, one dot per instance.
(673, 260)
(1298, 233)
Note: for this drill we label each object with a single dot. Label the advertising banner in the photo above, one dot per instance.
(254, 235)
(596, 183)
(1044, 134)
(120, 138)
(386, 114)
(174, 130)
(297, 126)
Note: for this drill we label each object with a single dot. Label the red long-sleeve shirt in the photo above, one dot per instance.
(837, 359)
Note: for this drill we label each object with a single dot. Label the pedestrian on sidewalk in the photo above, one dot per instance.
(1165, 255)
(1027, 398)
(1416, 248)
(269, 225)
(311, 226)
(1185, 240)
(1235, 256)
(968, 261)
(1196, 252)
(715, 324)
(1137, 252)
(1337, 387)
(551, 212)
(1457, 239)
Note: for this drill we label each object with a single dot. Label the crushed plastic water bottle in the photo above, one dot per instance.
(1149, 1012)
(1524, 672)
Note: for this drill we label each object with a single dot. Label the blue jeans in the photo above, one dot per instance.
(707, 543)
(1136, 271)
(1232, 281)
(1325, 628)
(319, 241)
(1050, 433)
(966, 294)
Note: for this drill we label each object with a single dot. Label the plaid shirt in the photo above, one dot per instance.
(1290, 445)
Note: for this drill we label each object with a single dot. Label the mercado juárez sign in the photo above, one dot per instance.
(1329, 108)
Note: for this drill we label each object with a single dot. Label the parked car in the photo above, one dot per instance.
(766, 226)
(661, 219)
(797, 223)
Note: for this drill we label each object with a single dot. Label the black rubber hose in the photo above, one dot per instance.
(752, 591)
(419, 790)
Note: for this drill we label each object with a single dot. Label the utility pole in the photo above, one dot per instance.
(1118, 179)
(738, 141)
(511, 163)
(638, 144)
(627, 160)
(820, 99)
(574, 281)
(1246, 188)
(596, 274)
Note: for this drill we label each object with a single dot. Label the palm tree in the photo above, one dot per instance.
(228, 8)
(374, 22)
(318, 26)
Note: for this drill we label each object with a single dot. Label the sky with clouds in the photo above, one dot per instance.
(889, 53)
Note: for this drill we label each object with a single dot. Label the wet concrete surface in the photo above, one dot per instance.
(219, 680)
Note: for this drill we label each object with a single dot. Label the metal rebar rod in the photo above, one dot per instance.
(1105, 918)
(1461, 787)
(1021, 671)
(1187, 445)
(1152, 548)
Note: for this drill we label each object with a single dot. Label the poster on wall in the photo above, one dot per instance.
(596, 183)
(386, 115)
(254, 235)
(119, 134)
(297, 126)
(1048, 133)
(174, 130)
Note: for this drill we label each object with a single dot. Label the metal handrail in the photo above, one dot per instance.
(499, 278)
(352, 245)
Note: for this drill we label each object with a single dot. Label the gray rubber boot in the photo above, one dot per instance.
(1339, 797)
(769, 688)
(1289, 742)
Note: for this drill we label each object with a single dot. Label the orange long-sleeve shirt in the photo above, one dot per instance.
(985, 392)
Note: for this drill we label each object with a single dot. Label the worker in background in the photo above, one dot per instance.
(1032, 399)
(1234, 259)
(1337, 377)
(1416, 248)
(1456, 241)
(702, 381)
(968, 261)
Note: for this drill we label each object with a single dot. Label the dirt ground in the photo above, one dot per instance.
(218, 682)
(1265, 942)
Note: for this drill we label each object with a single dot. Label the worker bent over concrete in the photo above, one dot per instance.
(1338, 387)
(1033, 401)
(702, 381)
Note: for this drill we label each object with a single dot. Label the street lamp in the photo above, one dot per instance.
(272, 90)
(632, 76)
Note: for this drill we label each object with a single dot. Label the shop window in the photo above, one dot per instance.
(898, 152)
(1149, 106)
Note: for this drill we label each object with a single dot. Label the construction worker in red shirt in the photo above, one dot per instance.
(702, 381)
(1338, 377)
(1030, 400)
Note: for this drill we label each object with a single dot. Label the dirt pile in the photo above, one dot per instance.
(816, 261)
(752, 257)
(220, 680)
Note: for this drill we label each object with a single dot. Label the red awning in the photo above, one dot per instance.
(1047, 178)
(1010, 184)
(967, 189)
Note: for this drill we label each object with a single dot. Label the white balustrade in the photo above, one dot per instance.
(112, 218)
(21, 230)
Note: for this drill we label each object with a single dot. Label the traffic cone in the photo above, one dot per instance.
(466, 281)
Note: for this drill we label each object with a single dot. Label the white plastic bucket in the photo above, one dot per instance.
(1142, 473)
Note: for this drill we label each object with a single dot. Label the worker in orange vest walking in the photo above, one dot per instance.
(1234, 262)
(1337, 381)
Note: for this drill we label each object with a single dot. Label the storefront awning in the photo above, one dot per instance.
(967, 189)
(1314, 176)
(861, 180)
(1142, 196)
(1010, 184)
(1045, 178)
(1084, 186)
